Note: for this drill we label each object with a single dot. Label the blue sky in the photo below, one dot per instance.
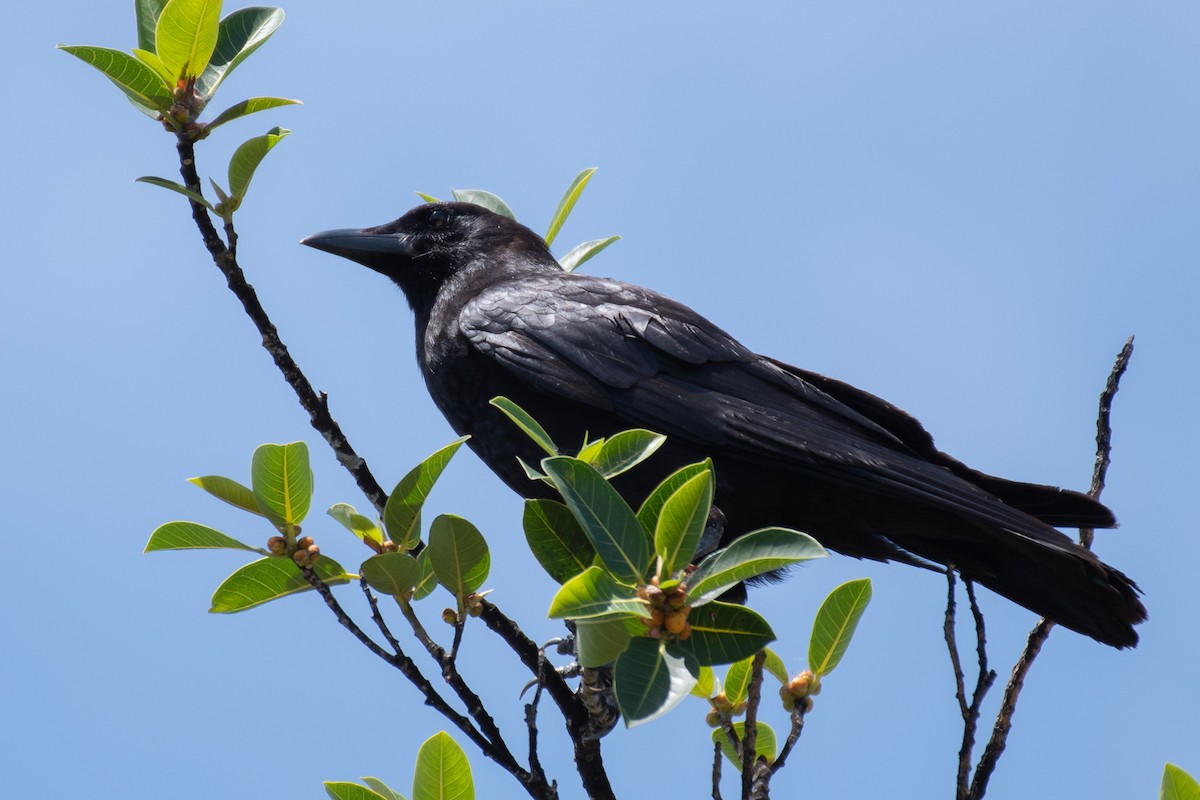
(964, 208)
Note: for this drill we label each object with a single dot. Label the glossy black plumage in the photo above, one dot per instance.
(495, 315)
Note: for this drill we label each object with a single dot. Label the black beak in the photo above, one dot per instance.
(375, 250)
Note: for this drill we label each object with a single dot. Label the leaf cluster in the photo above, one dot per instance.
(185, 51)
(442, 772)
(281, 492)
(642, 586)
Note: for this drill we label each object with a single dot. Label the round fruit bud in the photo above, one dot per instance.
(277, 545)
(654, 594)
(449, 616)
(304, 542)
(675, 622)
(721, 703)
(314, 553)
(713, 719)
(806, 704)
(301, 558)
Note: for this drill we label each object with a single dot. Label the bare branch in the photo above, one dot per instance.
(750, 737)
(589, 762)
(1041, 631)
(316, 405)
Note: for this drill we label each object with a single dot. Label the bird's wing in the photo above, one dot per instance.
(654, 363)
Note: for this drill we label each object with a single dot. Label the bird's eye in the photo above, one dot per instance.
(438, 218)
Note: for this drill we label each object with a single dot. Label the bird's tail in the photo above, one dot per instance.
(1053, 577)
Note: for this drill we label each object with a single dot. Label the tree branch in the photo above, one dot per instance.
(1037, 637)
(589, 762)
(316, 405)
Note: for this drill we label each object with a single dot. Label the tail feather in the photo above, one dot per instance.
(1061, 581)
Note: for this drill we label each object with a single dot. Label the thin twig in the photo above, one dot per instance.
(1037, 637)
(535, 762)
(960, 689)
(409, 669)
(793, 736)
(1104, 431)
(454, 679)
(716, 771)
(589, 761)
(315, 404)
(377, 618)
(983, 683)
(1008, 706)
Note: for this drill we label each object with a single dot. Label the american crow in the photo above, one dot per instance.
(496, 315)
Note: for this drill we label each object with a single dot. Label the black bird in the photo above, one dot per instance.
(496, 315)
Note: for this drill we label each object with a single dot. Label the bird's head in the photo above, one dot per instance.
(430, 244)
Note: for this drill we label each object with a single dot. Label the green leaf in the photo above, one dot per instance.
(706, 684)
(175, 187)
(1178, 785)
(775, 667)
(459, 554)
(533, 474)
(486, 199)
(600, 641)
(652, 507)
(402, 514)
(140, 83)
(251, 106)
(191, 536)
(391, 573)
(584, 252)
(229, 491)
(526, 423)
(590, 451)
(186, 36)
(383, 789)
(756, 553)
(835, 623)
(567, 203)
(625, 450)
(361, 526)
(282, 481)
(151, 60)
(593, 593)
(650, 678)
(148, 12)
(556, 539)
(737, 679)
(608, 521)
(269, 579)
(681, 523)
(341, 790)
(238, 35)
(247, 158)
(723, 633)
(428, 580)
(764, 742)
(442, 771)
